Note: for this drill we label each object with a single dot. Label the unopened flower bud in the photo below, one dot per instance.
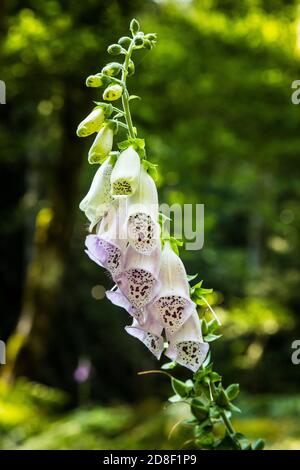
(114, 49)
(131, 68)
(125, 41)
(139, 41)
(112, 69)
(134, 26)
(147, 44)
(102, 145)
(92, 123)
(112, 93)
(94, 81)
(151, 36)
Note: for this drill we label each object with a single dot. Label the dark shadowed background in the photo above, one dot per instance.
(217, 116)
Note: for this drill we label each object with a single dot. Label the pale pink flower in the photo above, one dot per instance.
(149, 334)
(186, 346)
(172, 306)
(139, 280)
(118, 298)
(107, 247)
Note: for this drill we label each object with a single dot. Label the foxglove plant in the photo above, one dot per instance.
(129, 240)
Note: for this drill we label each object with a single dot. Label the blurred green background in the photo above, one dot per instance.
(217, 116)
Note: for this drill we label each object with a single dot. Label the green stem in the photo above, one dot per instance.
(227, 423)
(125, 95)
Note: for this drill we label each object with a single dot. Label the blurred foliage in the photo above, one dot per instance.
(217, 116)
(40, 424)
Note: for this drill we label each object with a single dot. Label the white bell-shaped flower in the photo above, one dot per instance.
(149, 334)
(142, 228)
(186, 346)
(98, 200)
(139, 280)
(173, 305)
(126, 173)
(108, 246)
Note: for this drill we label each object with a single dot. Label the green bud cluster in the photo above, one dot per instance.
(106, 120)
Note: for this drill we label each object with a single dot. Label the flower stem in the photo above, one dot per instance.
(125, 95)
(227, 423)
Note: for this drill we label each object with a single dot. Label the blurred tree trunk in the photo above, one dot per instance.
(46, 270)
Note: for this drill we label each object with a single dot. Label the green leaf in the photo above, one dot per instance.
(258, 445)
(204, 327)
(199, 409)
(203, 428)
(137, 144)
(228, 443)
(198, 301)
(118, 115)
(189, 385)
(196, 286)
(203, 291)
(203, 372)
(174, 399)
(151, 168)
(113, 156)
(175, 243)
(190, 422)
(179, 387)
(232, 391)
(244, 442)
(214, 412)
(213, 325)
(211, 337)
(234, 408)
(206, 441)
(124, 144)
(169, 365)
(207, 360)
(191, 277)
(134, 97)
(215, 377)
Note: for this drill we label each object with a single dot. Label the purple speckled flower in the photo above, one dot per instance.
(142, 227)
(172, 306)
(139, 280)
(149, 334)
(107, 247)
(118, 298)
(186, 346)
